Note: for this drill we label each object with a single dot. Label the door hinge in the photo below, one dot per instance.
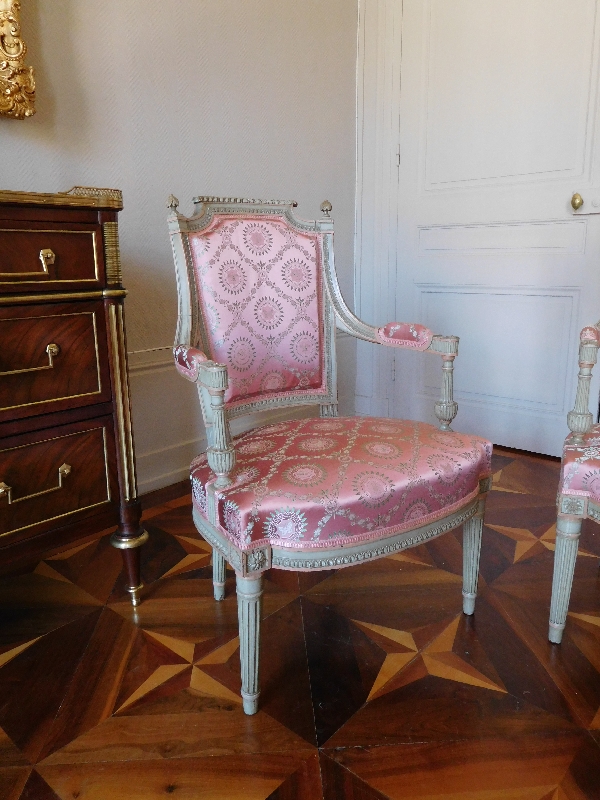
(393, 370)
(398, 156)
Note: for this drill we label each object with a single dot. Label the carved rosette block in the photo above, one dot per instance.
(17, 84)
(575, 506)
(249, 594)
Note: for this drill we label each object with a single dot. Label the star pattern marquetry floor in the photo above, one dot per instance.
(374, 684)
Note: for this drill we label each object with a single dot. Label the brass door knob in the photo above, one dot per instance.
(577, 201)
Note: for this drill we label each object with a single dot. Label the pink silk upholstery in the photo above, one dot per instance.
(315, 483)
(259, 287)
(405, 334)
(187, 361)
(590, 334)
(580, 473)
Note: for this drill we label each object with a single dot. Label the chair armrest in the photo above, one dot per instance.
(580, 419)
(188, 361)
(590, 335)
(395, 334)
(417, 337)
(405, 334)
(411, 336)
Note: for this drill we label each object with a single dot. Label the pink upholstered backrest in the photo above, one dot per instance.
(259, 285)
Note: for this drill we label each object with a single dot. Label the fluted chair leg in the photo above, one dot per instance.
(568, 531)
(472, 529)
(249, 594)
(219, 566)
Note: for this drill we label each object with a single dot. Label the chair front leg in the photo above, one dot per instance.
(249, 593)
(219, 566)
(568, 531)
(472, 530)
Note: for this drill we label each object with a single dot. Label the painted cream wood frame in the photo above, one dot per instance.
(572, 509)
(211, 381)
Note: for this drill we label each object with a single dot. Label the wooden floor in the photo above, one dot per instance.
(374, 684)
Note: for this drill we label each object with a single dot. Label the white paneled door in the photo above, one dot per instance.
(478, 121)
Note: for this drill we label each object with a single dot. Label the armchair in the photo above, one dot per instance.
(258, 306)
(579, 485)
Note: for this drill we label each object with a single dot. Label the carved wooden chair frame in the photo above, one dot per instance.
(211, 379)
(574, 503)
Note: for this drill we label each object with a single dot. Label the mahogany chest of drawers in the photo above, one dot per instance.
(67, 464)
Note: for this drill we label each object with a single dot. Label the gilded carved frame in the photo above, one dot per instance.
(17, 84)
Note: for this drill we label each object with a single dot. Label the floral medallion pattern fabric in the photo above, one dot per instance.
(188, 360)
(305, 483)
(259, 282)
(580, 473)
(405, 334)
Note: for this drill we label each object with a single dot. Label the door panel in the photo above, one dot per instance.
(496, 74)
(490, 130)
(530, 238)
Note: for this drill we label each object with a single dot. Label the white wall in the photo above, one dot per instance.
(251, 98)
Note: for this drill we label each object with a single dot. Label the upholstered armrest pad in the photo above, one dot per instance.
(188, 360)
(590, 334)
(405, 334)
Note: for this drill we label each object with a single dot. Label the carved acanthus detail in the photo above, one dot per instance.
(17, 84)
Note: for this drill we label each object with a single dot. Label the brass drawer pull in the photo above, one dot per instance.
(47, 257)
(6, 490)
(52, 350)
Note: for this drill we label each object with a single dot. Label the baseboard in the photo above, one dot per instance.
(167, 465)
(159, 497)
(151, 360)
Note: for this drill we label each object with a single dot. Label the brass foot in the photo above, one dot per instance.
(134, 593)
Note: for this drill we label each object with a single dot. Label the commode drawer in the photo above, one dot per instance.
(48, 256)
(51, 476)
(52, 357)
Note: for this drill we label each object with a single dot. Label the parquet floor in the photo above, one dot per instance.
(374, 684)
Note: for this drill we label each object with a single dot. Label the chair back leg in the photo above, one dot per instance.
(249, 594)
(568, 531)
(219, 565)
(472, 529)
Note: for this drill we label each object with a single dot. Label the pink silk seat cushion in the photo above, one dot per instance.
(317, 483)
(580, 473)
